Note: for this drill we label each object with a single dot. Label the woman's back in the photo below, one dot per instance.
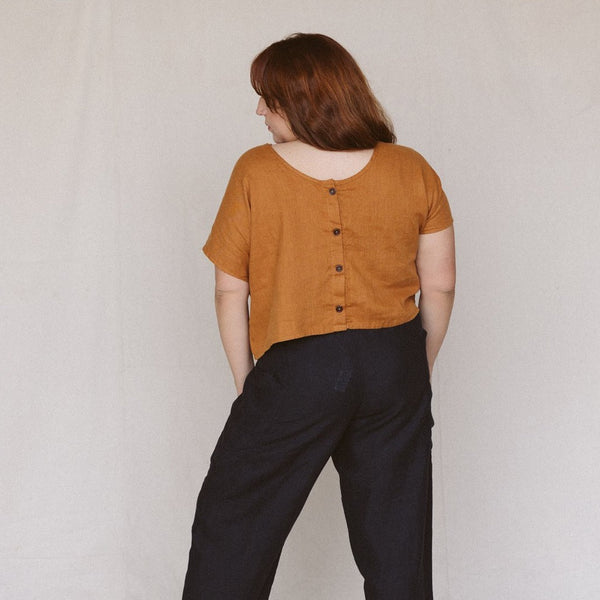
(323, 164)
(322, 253)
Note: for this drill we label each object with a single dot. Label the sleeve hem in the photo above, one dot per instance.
(222, 263)
(436, 228)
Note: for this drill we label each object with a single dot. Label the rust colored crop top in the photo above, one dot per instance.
(326, 255)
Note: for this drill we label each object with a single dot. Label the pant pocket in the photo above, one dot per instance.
(252, 418)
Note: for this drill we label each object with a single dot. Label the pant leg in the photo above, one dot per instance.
(277, 439)
(384, 463)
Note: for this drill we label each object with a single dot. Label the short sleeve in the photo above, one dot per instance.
(228, 245)
(439, 216)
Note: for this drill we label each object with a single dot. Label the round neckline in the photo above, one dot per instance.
(329, 181)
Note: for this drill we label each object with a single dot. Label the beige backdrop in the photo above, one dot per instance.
(120, 123)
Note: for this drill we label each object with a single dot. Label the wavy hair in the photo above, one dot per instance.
(316, 84)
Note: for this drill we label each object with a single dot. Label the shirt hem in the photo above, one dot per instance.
(341, 327)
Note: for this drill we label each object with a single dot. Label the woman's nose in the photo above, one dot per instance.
(260, 107)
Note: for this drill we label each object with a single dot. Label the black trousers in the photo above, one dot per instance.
(359, 396)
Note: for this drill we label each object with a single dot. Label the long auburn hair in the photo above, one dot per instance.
(316, 84)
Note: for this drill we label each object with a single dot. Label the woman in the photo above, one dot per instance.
(331, 231)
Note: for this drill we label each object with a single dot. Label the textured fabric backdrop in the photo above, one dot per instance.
(120, 122)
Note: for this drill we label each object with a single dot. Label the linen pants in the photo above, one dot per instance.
(359, 396)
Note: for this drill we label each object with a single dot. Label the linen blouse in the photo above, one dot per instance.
(326, 255)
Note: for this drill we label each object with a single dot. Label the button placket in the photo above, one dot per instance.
(338, 284)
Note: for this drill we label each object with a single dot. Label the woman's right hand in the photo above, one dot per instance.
(231, 304)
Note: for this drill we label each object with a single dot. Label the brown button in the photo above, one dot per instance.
(339, 308)
(332, 191)
(339, 268)
(336, 232)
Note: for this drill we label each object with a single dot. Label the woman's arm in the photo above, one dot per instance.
(231, 303)
(437, 274)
